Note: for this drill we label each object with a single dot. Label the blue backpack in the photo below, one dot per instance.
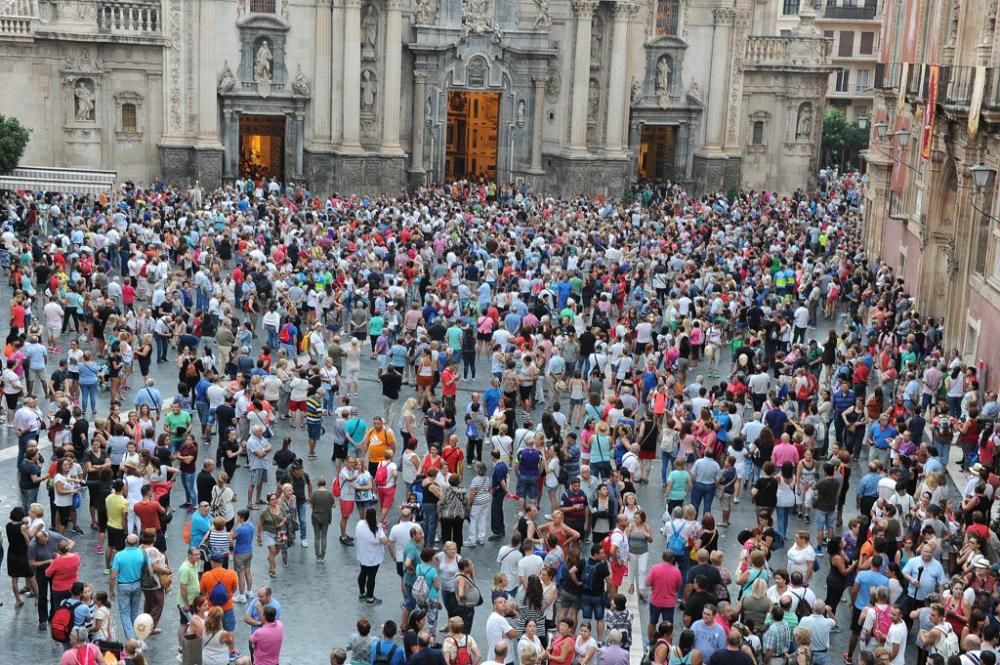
(676, 544)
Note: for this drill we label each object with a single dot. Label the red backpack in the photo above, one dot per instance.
(63, 620)
(381, 474)
(462, 656)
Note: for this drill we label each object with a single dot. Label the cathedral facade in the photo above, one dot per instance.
(349, 96)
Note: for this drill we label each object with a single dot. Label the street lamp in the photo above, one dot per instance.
(903, 137)
(880, 130)
(981, 175)
(863, 122)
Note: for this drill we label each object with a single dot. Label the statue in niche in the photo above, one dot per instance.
(636, 91)
(84, 97)
(369, 32)
(521, 112)
(694, 92)
(804, 124)
(593, 100)
(227, 81)
(663, 76)
(424, 12)
(301, 84)
(595, 45)
(543, 21)
(262, 69)
(368, 91)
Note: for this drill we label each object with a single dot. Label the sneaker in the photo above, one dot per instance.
(107, 571)
(494, 538)
(42, 625)
(373, 601)
(77, 530)
(736, 500)
(99, 549)
(305, 543)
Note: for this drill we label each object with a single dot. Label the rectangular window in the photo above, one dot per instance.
(828, 34)
(130, 122)
(843, 79)
(846, 47)
(863, 77)
(667, 17)
(263, 6)
(867, 46)
(758, 133)
(791, 8)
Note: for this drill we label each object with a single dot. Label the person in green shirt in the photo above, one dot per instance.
(454, 335)
(376, 325)
(177, 424)
(188, 588)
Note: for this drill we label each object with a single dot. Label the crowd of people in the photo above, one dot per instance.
(660, 329)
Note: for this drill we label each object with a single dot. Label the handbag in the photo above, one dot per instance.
(148, 581)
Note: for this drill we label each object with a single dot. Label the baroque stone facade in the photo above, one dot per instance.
(353, 95)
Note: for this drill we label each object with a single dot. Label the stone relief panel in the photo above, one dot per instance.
(543, 17)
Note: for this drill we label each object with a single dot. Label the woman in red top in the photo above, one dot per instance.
(63, 572)
(562, 649)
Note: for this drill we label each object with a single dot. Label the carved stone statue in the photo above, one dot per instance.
(476, 16)
(663, 76)
(83, 95)
(369, 90)
(636, 91)
(369, 31)
(227, 81)
(593, 100)
(595, 44)
(804, 124)
(543, 21)
(301, 84)
(521, 112)
(262, 69)
(694, 92)
(424, 12)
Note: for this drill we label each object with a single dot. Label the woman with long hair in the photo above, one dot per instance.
(216, 642)
(269, 525)
(531, 605)
(370, 541)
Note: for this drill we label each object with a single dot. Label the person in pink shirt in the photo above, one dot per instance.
(80, 652)
(665, 582)
(266, 640)
(785, 451)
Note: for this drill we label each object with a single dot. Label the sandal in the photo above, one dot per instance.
(272, 573)
(847, 659)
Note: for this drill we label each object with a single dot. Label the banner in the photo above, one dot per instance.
(901, 93)
(976, 103)
(927, 136)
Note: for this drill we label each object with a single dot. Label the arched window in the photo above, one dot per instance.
(130, 118)
(667, 17)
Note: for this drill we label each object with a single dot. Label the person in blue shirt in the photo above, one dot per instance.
(880, 436)
(864, 582)
(868, 488)
(925, 575)
(242, 536)
(124, 582)
(254, 616)
(491, 397)
(386, 646)
(498, 492)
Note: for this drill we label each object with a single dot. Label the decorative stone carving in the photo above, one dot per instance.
(596, 39)
(84, 98)
(724, 16)
(369, 33)
(476, 16)
(543, 20)
(262, 70)
(553, 85)
(477, 72)
(369, 91)
(227, 80)
(522, 109)
(694, 92)
(300, 84)
(584, 8)
(174, 117)
(425, 12)
(593, 100)
(804, 122)
(636, 91)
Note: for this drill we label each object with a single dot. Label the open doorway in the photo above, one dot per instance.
(473, 132)
(657, 152)
(262, 147)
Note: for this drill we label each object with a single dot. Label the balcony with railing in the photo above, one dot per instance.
(768, 51)
(956, 90)
(18, 19)
(138, 18)
(850, 13)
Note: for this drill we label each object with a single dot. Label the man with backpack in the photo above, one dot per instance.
(385, 651)
(593, 586)
(71, 613)
(218, 585)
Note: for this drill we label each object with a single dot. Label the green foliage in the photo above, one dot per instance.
(842, 140)
(13, 140)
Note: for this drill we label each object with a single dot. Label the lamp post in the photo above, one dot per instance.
(903, 137)
(981, 175)
(881, 129)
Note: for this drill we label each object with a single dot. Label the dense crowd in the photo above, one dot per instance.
(620, 335)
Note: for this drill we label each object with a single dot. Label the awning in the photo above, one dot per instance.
(70, 181)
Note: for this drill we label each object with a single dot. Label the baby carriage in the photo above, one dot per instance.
(103, 381)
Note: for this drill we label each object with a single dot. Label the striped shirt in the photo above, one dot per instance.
(314, 409)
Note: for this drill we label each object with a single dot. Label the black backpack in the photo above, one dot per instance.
(383, 659)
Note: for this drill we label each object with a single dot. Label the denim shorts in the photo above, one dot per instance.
(527, 487)
(592, 607)
(825, 519)
(315, 430)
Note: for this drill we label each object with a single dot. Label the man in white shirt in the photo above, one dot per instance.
(399, 534)
(895, 640)
(801, 320)
(499, 630)
(820, 625)
(509, 557)
(529, 564)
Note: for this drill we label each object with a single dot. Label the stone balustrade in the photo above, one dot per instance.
(129, 18)
(784, 51)
(17, 19)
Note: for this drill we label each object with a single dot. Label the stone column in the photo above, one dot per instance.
(581, 75)
(351, 93)
(300, 141)
(719, 82)
(208, 115)
(391, 92)
(417, 131)
(618, 93)
(537, 118)
(321, 125)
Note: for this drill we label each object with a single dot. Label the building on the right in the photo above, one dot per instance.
(931, 208)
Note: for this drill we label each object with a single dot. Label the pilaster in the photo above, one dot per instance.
(351, 92)
(581, 75)
(537, 118)
(392, 93)
(417, 132)
(618, 98)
